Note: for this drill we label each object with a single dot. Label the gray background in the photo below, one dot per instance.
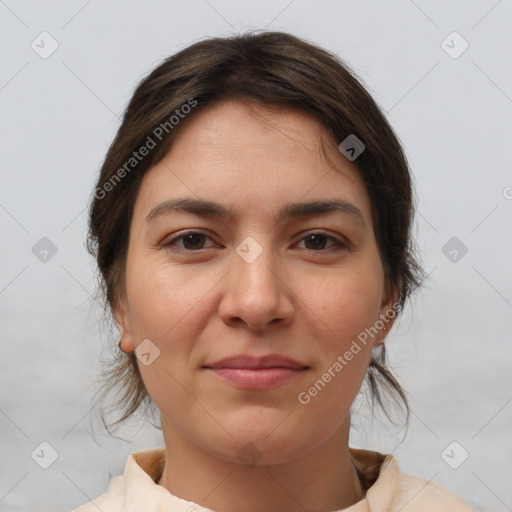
(59, 114)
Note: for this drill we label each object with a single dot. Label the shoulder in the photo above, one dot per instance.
(391, 490)
(416, 494)
(136, 486)
(111, 500)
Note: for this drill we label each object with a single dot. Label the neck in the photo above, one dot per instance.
(322, 479)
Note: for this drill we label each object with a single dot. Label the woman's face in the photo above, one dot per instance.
(253, 282)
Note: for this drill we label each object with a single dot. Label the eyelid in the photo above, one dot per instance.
(175, 237)
(340, 242)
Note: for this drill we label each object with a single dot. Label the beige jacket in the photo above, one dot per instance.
(391, 491)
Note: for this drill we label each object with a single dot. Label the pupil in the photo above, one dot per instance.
(318, 239)
(191, 238)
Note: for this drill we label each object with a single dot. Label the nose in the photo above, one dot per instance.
(256, 293)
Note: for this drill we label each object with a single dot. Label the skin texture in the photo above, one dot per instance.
(297, 299)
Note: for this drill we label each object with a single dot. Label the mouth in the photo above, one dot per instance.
(247, 372)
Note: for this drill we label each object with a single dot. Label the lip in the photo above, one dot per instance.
(256, 363)
(248, 372)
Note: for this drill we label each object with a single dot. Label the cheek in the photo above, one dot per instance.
(165, 307)
(161, 297)
(347, 308)
(347, 302)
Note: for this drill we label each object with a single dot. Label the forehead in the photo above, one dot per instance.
(242, 128)
(255, 157)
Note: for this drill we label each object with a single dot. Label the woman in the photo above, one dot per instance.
(251, 224)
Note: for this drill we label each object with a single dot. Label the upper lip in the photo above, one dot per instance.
(255, 363)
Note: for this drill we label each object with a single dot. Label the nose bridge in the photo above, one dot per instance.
(256, 266)
(256, 294)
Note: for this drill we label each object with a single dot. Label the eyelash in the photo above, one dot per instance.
(171, 244)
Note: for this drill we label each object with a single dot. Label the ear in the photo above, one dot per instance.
(124, 327)
(387, 314)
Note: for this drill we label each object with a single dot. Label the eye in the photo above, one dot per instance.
(317, 242)
(192, 241)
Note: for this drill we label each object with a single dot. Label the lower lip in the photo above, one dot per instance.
(263, 378)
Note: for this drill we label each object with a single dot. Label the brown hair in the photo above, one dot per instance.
(269, 68)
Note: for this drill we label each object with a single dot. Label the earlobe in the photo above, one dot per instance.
(123, 326)
(381, 336)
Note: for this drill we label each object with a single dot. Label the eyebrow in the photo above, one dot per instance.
(290, 210)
